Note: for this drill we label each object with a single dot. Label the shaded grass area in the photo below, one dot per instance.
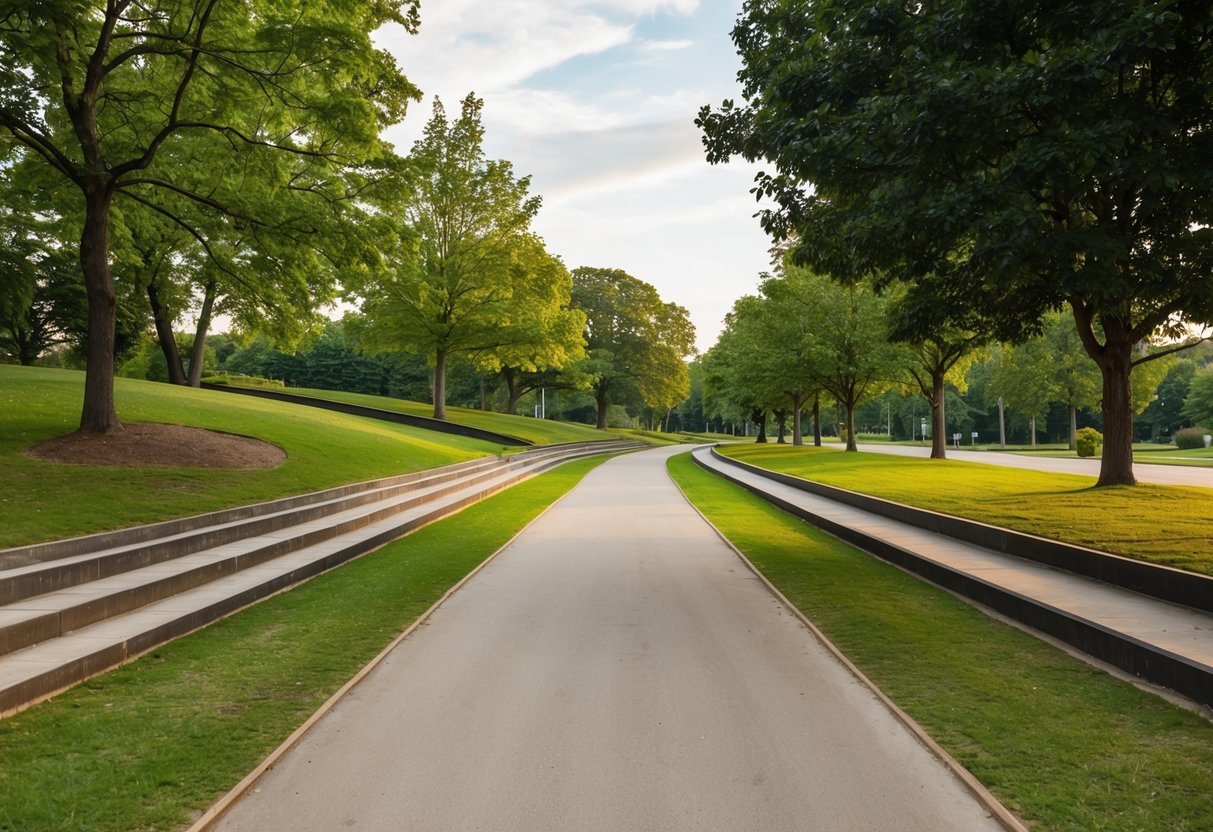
(42, 500)
(1062, 744)
(539, 431)
(1170, 525)
(152, 744)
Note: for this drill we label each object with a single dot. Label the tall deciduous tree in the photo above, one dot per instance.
(471, 279)
(1071, 375)
(849, 352)
(110, 94)
(637, 343)
(1010, 155)
(1021, 379)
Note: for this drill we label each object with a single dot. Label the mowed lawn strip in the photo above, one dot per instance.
(1064, 745)
(1171, 525)
(43, 501)
(539, 431)
(151, 744)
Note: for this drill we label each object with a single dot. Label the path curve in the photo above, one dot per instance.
(617, 667)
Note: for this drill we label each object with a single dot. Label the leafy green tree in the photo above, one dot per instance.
(1198, 405)
(637, 344)
(1072, 376)
(846, 340)
(114, 97)
(942, 349)
(743, 374)
(1165, 413)
(477, 283)
(788, 325)
(1009, 156)
(1021, 380)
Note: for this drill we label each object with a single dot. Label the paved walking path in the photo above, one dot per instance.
(616, 668)
(1144, 471)
(1177, 629)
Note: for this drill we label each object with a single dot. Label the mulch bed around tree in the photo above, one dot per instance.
(143, 444)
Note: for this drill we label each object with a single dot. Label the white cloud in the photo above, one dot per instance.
(598, 105)
(665, 45)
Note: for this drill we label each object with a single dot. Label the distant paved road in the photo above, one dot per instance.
(617, 668)
(1145, 472)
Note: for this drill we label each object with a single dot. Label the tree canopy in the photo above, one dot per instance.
(637, 343)
(1006, 155)
(468, 277)
(130, 100)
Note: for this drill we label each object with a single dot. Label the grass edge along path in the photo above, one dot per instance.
(1062, 744)
(152, 744)
(1165, 524)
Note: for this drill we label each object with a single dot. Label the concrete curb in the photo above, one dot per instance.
(225, 803)
(974, 786)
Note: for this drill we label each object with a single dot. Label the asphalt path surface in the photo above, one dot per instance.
(1144, 471)
(616, 668)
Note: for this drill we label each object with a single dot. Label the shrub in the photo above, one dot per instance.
(1190, 438)
(1088, 440)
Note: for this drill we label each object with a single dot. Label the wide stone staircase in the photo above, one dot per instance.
(74, 608)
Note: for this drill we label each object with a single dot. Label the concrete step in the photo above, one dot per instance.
(40, 577)
(56, 639)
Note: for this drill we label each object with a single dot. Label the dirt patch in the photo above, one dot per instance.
(144, 444)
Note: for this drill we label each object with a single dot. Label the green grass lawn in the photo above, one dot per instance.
(151, 744)
(539, 431)
(1171, 525)
(1065, 746)
(42, 501)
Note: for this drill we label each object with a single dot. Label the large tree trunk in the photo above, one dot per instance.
(440, 385)
(98, 415)
(1115, 360)
(781, 425)
(164, 336)
(759, 417)
(797, 430)
(198, 351)
(1032, 428)
(1002, 424)
(817, 421)
(512, 391)
(600, 399)
(939, 429)
(1116, 466)
(851, 445)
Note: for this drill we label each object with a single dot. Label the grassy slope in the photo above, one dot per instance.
(150, 744)
(1061, 743)
(1161, 524)
(539, 431)
(41, 500)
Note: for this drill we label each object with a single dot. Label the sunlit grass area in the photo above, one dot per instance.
(1171, 525)
(42, 500)
(539, 431)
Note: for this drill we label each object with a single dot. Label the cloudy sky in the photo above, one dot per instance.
(596, 100)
